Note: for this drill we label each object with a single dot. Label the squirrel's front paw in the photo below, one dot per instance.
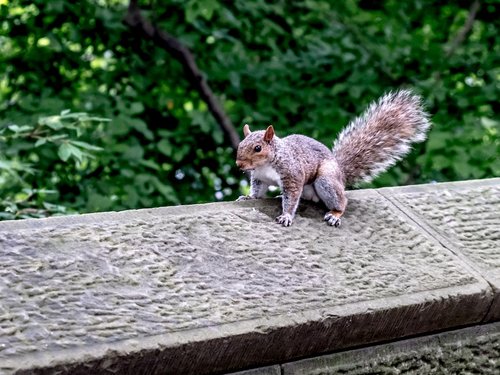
(244, 198)
(332, 220)
(285, 220)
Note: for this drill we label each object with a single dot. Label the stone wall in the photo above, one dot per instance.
(220, 287)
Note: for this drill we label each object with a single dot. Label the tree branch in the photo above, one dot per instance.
(459, 38)
(182, 54)
(466, 28)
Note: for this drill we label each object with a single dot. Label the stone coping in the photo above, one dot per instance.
(220, 287)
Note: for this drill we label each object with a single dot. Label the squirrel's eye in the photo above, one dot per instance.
(257, 148)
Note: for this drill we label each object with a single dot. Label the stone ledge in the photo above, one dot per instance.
(466, 351)
(220, 287)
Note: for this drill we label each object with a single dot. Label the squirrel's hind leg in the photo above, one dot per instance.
(329, 187)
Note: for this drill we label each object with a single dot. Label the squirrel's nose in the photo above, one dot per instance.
(239, 163)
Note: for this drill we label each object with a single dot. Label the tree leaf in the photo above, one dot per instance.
(40, 142)
(165, 147)
(86, 146)
(64, 151)
(53, 122)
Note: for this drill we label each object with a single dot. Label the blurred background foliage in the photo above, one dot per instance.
(305, 66)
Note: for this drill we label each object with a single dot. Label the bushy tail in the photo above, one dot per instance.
(380, 137)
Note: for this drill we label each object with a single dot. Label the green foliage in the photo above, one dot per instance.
(35, 158)
(305, 66)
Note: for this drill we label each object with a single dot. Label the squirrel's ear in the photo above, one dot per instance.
(246, 130)
(268, 136)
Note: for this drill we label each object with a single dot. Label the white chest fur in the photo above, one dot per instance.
(267, 175)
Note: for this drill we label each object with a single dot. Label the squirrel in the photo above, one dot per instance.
(304, 167)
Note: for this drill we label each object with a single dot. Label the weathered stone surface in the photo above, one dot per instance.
(220, 287)
(465, 218)
(473, 350)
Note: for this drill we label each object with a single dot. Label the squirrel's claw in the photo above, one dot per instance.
(285, 220)
(332, 220)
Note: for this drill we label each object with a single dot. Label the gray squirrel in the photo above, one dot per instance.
(304, 167)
